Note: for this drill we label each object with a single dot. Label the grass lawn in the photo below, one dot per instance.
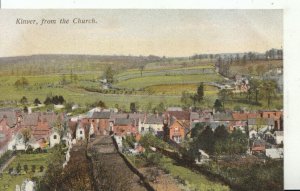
(8, 182)
(192, 179)
(177, 89)
(142, 82)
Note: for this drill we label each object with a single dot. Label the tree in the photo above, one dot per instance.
(206, 140)
(141, 68)
(109, 74)
(186, 98)
(133, 107)
(25, 109)
(24, 100)
(61, 99)
(48, 101)
(254, 89)
(25, 167)
(26, 134)
(159, 108)
(33, 167)
(223, 95)
(21, 82)
(218, 105)
(268, 91)
(200, 92)
(221, 133)
(36, 102)
(41, 168)
(18, 168)
(101, 104)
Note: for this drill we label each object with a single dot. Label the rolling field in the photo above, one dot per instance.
(177, 89)
(143, 82)
(166, 71)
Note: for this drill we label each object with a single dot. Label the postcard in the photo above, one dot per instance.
(142, 99)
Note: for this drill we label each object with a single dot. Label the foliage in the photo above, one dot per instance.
(18, 168)
(21, 82)
(186, 98)
(52, 178)
(24, 100)
(26, 135)
(109, 74)
(36, 101)
(54, 100)
(133, 107)
(149, 139)
(217, 142)
(200, 92)
(218, 106)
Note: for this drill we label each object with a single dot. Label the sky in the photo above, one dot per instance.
(159, 32)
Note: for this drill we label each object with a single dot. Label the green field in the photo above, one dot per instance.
(177, 89)
(142, 82)
(8, 182)
(192, 179)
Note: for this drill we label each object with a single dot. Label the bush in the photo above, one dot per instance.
(41, 168)
(18, 168)
(33, 167)
(25, 167)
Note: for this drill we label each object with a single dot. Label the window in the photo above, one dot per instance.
(143, 128)
(54, 137)
(80, 132)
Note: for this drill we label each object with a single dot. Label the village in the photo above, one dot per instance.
(38, 132)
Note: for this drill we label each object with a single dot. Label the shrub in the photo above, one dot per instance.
(33, 167)
(18, 168)
(25, 167)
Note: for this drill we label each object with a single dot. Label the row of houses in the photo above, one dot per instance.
(48, 129)
(175, 124)
(42, 130)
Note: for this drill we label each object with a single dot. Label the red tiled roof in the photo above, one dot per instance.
(180, 115)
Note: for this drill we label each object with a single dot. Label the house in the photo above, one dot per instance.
(278, 135)
(240, 120)
(17, 142)
(151, 123)
(42, 130)
(222, 117)
(275, 153)
(124, 126)
(101, 122)
(252, 133)
(5, 133)
(258, 146)
(258, 123)
(178, 130)
(54, 138)
(82, 130)
(277, 116)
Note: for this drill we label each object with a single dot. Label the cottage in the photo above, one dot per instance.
(81, 129)
(258, 123)
(124, 126)
(151, 123)
(278, 135)
(258, 146)
(101, 122)
(252, 134)
(54, 139)
(274, 153)
(178, 130)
